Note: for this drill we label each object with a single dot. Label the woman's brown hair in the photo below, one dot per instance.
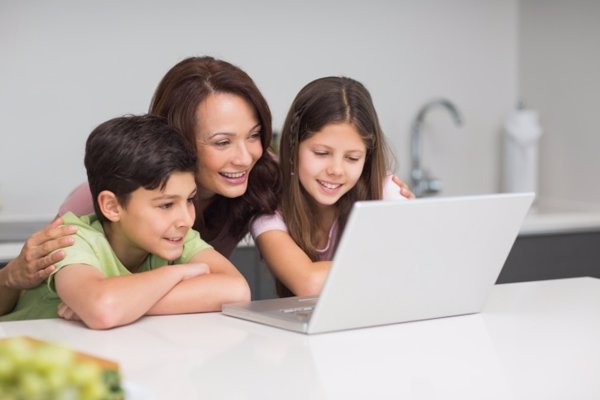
(177, 98)
(329, 100)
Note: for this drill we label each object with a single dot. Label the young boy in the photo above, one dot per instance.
(142, 177)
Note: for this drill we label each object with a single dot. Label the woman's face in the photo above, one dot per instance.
(228, 144)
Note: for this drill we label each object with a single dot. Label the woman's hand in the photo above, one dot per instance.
(404, 189)
(38, 256)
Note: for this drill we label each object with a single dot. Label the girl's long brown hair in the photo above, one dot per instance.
(177, 98)
(326, 101)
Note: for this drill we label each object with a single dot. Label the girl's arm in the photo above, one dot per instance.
(290, 264)
(223, 284)
(103, 303)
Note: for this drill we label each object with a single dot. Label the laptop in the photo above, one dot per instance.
(401, 261)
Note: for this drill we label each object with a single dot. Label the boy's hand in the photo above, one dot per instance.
(66, 313)
(194, 270)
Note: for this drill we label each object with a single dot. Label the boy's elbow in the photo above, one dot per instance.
(104, 313)
(242, 292)
(238, 292)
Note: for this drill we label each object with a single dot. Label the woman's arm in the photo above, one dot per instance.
(35, 262)
(103, 303)
(290, 264)
(223, 284)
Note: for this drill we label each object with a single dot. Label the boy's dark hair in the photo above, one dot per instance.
(129, 152)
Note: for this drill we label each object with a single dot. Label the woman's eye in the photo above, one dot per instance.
(255, 135)
(191, 200)
(165, 206)
(320, 153)
(222, 143)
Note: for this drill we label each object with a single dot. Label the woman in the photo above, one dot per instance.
(226, 120)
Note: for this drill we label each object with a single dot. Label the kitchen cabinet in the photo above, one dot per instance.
(553, 256)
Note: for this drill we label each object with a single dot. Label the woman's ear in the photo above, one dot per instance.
(109, 205)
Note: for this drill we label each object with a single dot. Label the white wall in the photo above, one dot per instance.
(558, 74)
(67, 65)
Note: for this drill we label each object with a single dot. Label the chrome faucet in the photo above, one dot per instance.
(421, 182)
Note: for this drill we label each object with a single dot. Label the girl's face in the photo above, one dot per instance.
(330, 162)
(228, 145)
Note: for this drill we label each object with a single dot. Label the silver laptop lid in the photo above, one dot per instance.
(420, 259)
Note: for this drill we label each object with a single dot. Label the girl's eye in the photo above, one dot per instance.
(191, 200)
(354, 159)
(165, 206)
(320, 153)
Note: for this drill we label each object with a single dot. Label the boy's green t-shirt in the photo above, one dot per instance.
(92, 248)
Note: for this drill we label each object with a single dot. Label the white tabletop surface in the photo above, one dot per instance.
(535, 340)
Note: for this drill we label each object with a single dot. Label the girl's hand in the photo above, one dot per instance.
(38, 256)
(404, 189)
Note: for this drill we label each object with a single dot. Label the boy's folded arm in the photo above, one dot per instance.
(205, 293)
(290, 264)
(103, 303)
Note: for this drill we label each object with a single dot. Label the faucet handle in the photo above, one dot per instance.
(432, 185)
(423, 184)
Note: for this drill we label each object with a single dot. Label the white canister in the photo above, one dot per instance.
(521, 142)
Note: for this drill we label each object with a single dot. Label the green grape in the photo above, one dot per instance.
(84, 373)
(32, 371)
(57, 379)
(17, 351)
(7, 368)
(31, 385)
(50, 357)
(93, 390)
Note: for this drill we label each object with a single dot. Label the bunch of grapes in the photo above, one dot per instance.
(45, 371)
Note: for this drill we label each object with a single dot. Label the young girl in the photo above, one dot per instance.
(332, 154)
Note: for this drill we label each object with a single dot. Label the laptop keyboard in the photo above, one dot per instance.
(304, 310)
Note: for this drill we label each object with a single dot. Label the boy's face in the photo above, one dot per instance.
(156, 221)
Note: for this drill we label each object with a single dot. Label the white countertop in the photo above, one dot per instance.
(534, 340)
